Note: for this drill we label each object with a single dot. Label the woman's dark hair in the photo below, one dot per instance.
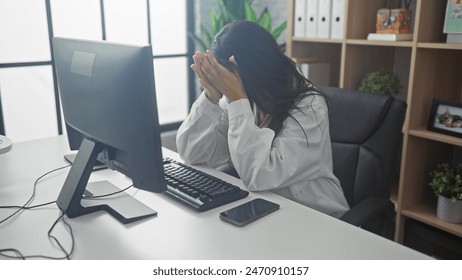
(272, 80)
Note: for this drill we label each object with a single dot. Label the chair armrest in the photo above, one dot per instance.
(366, 210)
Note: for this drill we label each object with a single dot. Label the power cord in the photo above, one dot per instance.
(25, 206)
(67, 254)
(106, 195)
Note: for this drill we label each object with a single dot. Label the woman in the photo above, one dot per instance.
(272, 123)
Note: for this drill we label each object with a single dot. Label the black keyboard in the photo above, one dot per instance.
(197, 189)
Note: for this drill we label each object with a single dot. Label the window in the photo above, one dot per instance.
(28, 98)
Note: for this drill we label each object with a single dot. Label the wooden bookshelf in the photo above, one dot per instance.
(427, 67)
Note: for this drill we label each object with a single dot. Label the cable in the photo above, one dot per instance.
(106, 195)
(20, 256)
(27, 207)
(67, 254)
(51, 202)
(33, 194)
(51, 237)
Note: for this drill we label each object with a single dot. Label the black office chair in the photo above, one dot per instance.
(366, 135)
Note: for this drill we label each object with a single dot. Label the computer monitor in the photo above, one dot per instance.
(108, 95)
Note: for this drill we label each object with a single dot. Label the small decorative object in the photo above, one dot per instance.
(381, 82)
(446, 183)
(394, 21)
(453, 21)
(393, 24)
(446, 117)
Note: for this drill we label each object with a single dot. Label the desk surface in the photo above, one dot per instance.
(177, 232)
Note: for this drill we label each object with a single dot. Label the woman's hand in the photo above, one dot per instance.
(210, 91)
(223, 80)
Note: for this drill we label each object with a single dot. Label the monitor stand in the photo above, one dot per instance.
(71, 157)
(122, 206)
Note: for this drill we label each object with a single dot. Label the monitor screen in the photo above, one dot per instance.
(108, 96)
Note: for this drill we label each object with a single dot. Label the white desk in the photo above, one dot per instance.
(293, 232)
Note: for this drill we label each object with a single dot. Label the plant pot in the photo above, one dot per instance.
(449, 211)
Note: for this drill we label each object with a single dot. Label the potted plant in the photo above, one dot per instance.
(381, 81)
(229, 11)
(446, 183)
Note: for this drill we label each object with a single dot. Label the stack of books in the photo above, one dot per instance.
(389, 37)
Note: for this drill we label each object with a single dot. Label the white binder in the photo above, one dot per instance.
(311, 30)
(324, 15)
(300, 18)
(337, 19)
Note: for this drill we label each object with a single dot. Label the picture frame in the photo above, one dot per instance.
(453, 17)
(446, 117)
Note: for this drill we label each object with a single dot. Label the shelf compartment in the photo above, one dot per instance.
(437, 74)
(435, 136)
(431, 21)
(426, 212)
(361, 18)
(320, 52)
(422, 155)
(362, 59)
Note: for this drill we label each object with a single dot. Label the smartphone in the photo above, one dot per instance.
(248, 212)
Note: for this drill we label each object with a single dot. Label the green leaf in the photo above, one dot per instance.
(220, 25)
(446, 181)
(249, 12)
(265, 20)
(208, 38)
(278, 31)
(381, 82)
(225, 14)
(216, 19)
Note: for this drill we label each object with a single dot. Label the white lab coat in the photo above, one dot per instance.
(287, 165)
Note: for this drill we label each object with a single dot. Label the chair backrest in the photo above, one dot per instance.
(366, 135)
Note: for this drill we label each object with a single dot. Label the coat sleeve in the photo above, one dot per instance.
(202, 137)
